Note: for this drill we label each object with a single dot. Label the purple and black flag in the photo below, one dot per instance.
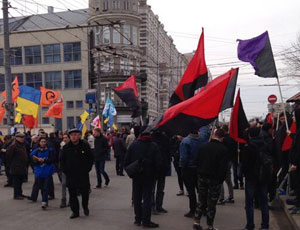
(258, 52)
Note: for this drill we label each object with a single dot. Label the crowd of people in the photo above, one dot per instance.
(203, 161)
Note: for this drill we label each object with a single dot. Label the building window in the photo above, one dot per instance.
(116, 4)
(70, 104)
(2, 82)
(107, 93)
(79, 104)
(70, 122)
(126, 5)
(135, 35)
(46, 120)
(106, 35)
(116, 34)
(98, 35)
(107, 65)
(58, 124)
(53, 80)
(105, 5)
(126, 33)
(73, 79)
(52, 53)
(78, 120)
(72, 51)
(19, 76)
(34, 80)
(1, 57)
(16, 56)
(33, 55)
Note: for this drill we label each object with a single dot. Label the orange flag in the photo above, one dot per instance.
(15, 90)
(2, 110)
(30, 122)
(48, 96)
(56, 110)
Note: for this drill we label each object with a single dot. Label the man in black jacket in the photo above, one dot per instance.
(76, 162)
(17, 160)
(100, 150)
(212, 163)
(147, 151)
(119, 148)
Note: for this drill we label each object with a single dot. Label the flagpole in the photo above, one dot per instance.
(141, 118)
(282, 103)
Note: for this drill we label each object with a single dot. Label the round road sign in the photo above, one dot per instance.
(272, 99)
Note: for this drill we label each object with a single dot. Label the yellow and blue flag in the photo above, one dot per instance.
(28, 101)
(108, 113)
(82, 126)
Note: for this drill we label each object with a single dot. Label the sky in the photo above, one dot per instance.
(224, 22)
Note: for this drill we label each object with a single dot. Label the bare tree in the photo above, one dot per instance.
(292, 59)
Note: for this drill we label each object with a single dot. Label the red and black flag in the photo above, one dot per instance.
(258, 52)
(238, 121)
(194, 77)
(288, 141)
(201, 109)
(128, 93)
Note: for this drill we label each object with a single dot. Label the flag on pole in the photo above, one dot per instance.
(28, 101)
(238, 121)
(202, 109)
(258, 52)
(30, 122)
(48, 96)
(128, 93)
(288, 141)
(96, 123)
(81, 126)
(56, 110)
(15, 90)
(108, 113)
(195, 76)
(2, 110)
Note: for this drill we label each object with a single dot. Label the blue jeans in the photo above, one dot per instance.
(43, 185)
(100, 169)
(261, 190)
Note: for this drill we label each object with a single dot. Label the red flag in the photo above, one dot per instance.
(288, 141)
(30, 122)
(48, 96)
(201, 109)
(2, 110)
(56, 110)
(195, 76)
(238, 121)
(15, 90)
(129, 94)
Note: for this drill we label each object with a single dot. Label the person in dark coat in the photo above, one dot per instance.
(212, 165)
(7, 142)
(255, 185)
(147, 151)
(100, 151)
(119, 153)
(158, 193)
(76, 162)
(17, 161)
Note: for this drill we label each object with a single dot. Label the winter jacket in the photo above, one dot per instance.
(100, 148)
(119, 147)
(17, 158)
(145, 149)
(76, 162)
(130, 138)
(46, 169)
(212, 161)
(188, 151)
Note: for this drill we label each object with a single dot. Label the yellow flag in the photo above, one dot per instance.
(18, 118)
(84, 116)
(84, 129)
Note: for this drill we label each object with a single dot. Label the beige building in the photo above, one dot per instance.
(45, 53)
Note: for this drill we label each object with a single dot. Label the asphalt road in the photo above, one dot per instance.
(110, 209)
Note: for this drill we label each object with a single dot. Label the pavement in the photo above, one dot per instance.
(294, 219)
(110, 209)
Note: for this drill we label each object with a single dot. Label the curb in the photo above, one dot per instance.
(287, 213)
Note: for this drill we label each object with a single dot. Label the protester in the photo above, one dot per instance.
(119, 153)
(256, 180)
(43, 159)
(17, 160)
(76, 162)
(8, 140)
(146, 151)
(130, 138)
(212, 165)
(187, 162)
(100, 151)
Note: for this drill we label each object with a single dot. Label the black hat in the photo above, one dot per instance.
(75, 130)
(20, 135)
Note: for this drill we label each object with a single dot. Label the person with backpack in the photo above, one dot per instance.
(43, 159)
(257, 166)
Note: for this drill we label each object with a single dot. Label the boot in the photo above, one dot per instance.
(63, 203)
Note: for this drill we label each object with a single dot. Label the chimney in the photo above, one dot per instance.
(50, 9)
